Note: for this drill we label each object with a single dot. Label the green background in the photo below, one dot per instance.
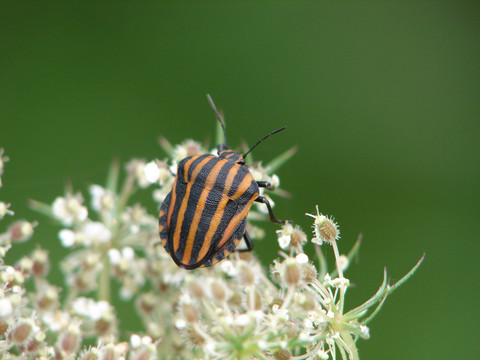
(381, 97)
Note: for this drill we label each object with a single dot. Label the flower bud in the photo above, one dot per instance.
(21, 332)
(146, 303)
(189, 313)
(298, 239)
(291, 272)
(196, 289)
(282, 354)
(69, 340)
(89, 354)
(324, 228)
(309, 272)
(21, 231)
(246, 273)
(41, 265)
(218, 290)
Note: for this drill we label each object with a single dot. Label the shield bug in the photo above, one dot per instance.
(203, 218)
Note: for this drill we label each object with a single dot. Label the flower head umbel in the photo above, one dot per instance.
(233, 310)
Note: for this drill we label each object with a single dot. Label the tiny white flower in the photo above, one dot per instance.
(242, 320)
(4, 210)
(179, 153)
(96, 233)
(228, 268)
(285, 235)
(337, 282)
(128, 253)
(305, 335)
(308, 323)
(262, 344)
(69, 209)
(89, 308)
(152, 172)
(102, 199)
(322, 354)
(114, 256)
(302, 258)
(146, 340)
(210, 348)
(67, 237)
(126, 293)
(275, 181)
(180, 324)
(135, 340)
(365, 331)
(284, 241)
(6, 308)
(136, 167)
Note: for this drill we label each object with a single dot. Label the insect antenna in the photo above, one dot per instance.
(265, 137)
(218, 117)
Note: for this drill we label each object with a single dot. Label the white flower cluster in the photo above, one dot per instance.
(234, 310)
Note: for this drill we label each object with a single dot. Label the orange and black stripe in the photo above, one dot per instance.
(203, 219)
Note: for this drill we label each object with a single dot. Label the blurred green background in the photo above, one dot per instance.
(381, 97)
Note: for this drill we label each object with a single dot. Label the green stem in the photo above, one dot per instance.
(104, 289)
(349, 345)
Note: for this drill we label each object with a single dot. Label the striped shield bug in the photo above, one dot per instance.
(203, 218)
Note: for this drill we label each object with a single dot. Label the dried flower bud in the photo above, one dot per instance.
(196, 289)
(112, 352)
(298, 239)
(246, 273)
(189, 313)
(89, 354)
(104, 325)
(36, 343)
(146, 302)
(25, 266)
(325, 229)
(218, 290)
(282, 354)
(69, 340)
(47, 297)
(21, 231)
(41, 265)
(195, 337)
(309, 272)
(291, 272)
(3, 327)
(21, 332)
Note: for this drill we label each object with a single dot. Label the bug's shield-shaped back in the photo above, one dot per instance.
(203, 218)
(225, 230)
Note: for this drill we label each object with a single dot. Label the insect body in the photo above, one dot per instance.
(203, 218)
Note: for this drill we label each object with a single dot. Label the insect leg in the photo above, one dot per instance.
(265, 184)
(248, 242)
(263, 200)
